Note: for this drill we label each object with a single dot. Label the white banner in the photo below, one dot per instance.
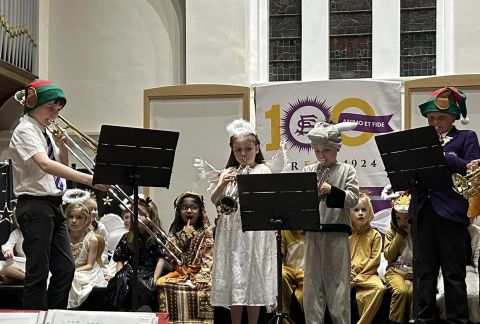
(288, 111)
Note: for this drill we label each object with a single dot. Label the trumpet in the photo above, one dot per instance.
(469, 185)
(115, 191)
(228, 202)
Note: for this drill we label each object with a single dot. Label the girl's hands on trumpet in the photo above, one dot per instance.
(227, 176)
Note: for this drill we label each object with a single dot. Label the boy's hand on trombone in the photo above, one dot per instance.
(59, 137)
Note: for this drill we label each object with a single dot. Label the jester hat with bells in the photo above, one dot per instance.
(40, 92)
(400, 200)
(448, 100)
(329, 135)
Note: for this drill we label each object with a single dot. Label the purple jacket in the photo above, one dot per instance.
(461, 149)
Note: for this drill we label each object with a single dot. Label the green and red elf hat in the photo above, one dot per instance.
(448, 100)
(40, 92)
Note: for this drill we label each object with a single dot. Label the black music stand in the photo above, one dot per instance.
(412, 159)
(284, 201)
(135, 157)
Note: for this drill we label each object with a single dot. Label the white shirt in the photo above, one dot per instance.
(28, 178)
(15, 240)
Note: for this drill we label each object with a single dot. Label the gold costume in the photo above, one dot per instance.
(293, 251)
(399, 274)
(365, 250)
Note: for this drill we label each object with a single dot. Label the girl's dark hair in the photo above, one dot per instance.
(232, 161)
(152, 212)
(178, 223)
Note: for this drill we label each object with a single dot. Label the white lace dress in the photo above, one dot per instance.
(84, 281)
(244, 263)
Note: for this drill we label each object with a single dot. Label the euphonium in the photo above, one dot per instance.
(469, 187)
(228, 202)
(322, 175)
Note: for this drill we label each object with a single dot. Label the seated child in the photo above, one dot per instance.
(98, 227)
(191, 282)
(13, 269)
(398, 251)
(150, 265)
(365, 248)
(293, 251)
(87, 248)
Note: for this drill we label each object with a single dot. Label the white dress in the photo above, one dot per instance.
(244, 263)
(84, 281)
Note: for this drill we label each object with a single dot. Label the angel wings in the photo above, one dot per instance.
(278, 163)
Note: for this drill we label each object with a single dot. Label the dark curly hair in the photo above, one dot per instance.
(178, 224)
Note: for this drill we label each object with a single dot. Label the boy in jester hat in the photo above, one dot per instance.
(39, 170)
(440, 215)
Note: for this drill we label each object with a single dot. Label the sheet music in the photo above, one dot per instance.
(22, 317)
(83, 317)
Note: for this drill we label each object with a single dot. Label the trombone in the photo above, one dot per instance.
(114, 190)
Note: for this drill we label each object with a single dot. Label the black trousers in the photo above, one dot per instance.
(441, 243)
(47, 248)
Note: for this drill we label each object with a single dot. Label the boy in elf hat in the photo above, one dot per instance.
(38, 168)
(441, 214)
(327, 253)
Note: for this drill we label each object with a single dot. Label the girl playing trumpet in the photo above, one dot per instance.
(244, 262)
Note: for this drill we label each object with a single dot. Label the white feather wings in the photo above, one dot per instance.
(278, 163)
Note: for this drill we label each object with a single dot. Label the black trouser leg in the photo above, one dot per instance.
(452, 239)
(62, 265)
(441, 244)
(46, 245)
(36, 224)
(428, 264)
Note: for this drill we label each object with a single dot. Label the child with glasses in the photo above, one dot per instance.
(191, 232)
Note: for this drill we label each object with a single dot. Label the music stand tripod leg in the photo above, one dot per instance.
(280, 317)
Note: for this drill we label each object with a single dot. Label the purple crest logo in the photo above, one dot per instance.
(300, 118)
